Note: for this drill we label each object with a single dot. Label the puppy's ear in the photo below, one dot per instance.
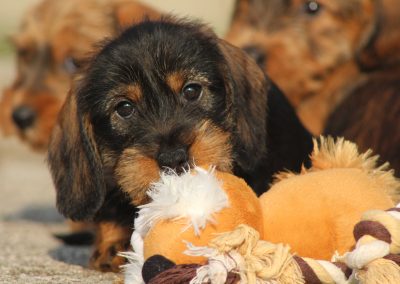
(367, 54)
(75, 164)
(289, 143)
(246, 88)
(129, 12)
(264, 118)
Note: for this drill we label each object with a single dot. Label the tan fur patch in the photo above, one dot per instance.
(134, 92)
(175, 81)
(135, 172)
(110, 239)
(211, 147)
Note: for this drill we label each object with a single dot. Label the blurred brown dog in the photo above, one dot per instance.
(309, 47)
(370, 113)
(53, 41)
(52, 44)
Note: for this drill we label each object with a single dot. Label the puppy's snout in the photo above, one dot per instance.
(24, 116)
(175, 159)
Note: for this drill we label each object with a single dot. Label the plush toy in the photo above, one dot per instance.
(313, 212)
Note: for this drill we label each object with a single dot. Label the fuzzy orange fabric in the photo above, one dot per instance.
(315, 213)
(167, 238)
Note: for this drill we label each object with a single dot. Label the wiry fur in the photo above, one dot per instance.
(194, 196)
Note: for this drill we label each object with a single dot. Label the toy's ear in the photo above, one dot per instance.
(130, 12)
(246, 89)
(75, 164)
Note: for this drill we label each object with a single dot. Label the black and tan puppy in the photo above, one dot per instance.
(166, 94)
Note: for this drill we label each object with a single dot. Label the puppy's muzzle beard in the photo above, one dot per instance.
(176, 160)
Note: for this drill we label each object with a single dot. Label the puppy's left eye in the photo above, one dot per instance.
(192, 91)
(125, 109)
(312, 7)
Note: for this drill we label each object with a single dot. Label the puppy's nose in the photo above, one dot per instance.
(175, 159)
(23, 117)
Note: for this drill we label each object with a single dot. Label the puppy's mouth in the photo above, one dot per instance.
(136, 170)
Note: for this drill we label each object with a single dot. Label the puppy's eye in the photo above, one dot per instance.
(25, 54)
(71, 65)
(312, 7)
(192, 91)
(125, 109)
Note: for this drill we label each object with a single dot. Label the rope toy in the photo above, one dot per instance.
(375, 258)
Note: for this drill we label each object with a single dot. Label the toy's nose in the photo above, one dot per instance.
(24, 117)
(175, 159)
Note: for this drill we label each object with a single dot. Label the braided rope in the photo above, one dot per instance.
(374, 260)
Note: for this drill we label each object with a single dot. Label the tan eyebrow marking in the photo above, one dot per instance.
(175, 81)
(134, 92)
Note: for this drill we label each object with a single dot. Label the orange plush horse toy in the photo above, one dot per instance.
(313, 212)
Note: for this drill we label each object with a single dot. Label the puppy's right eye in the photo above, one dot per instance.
(71, 65)
(192, 91)
(125, 109)
(25, 54)
(312, 7)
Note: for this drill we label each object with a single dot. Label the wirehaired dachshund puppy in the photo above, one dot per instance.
(311, 48)
(166, 94)
(51, 45)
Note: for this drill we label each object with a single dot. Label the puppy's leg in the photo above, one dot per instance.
(111, 239)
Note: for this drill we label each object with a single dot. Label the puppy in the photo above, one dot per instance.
(165, 95)
(53, 41)
(370, 116)
(309, 47)
(370, 113)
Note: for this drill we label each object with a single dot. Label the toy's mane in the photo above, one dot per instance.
(329, 153)
(193, 196)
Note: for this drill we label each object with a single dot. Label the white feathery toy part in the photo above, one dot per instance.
(133, 269)
(194, 196)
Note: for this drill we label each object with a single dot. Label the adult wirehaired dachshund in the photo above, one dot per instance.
(166, 94)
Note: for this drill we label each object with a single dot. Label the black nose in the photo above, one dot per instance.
(23, 117)
(175, 159)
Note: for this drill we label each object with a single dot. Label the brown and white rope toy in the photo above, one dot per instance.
(375, 258)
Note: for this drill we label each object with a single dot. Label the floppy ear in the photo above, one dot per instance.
(289, 143)
(246, 88)
(130, 12)
(265, 121)
(75, 164)
(381, 44)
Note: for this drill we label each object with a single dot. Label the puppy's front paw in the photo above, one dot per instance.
(111, 239)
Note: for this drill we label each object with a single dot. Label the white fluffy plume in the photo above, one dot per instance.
(193, 196)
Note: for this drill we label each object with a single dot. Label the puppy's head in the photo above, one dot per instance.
(163, 95)
(303, 41)
(51, 46)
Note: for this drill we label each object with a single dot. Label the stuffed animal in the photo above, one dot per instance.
(313, 212)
